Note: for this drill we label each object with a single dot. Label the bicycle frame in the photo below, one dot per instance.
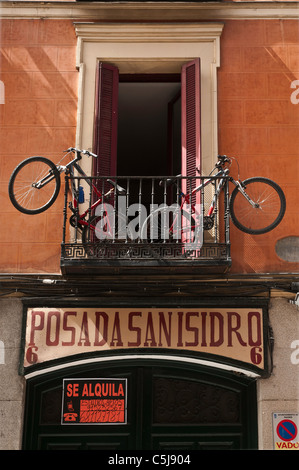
(80, 218)
(185, 198)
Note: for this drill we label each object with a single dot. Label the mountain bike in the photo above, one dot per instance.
(35, 184)
(256, 206)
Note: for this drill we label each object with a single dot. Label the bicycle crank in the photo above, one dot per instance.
(74, 222)
(208, 222)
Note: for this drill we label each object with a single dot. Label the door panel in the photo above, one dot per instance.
(192, 442)
(84, 442)
(190, 412)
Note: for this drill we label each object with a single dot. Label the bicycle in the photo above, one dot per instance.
(35, 184)
(256, 206)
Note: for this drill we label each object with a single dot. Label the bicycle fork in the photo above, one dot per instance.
(243, 192)
(45, 180)
(215, 198)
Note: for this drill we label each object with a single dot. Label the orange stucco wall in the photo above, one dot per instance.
(258, 123)
(38, 118)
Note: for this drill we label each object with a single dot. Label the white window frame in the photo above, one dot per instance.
(150, 48)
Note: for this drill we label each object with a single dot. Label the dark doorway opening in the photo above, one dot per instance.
(149, 125)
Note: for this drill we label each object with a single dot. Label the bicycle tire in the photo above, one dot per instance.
(24, 196)
(151, 229)
(269, 212)
(91, 241)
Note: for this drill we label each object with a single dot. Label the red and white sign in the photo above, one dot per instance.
(94, 401)
(285, 430)
(235, 333)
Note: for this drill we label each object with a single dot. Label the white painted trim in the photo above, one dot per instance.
(163, 32)
(188, 360)
(150, 10)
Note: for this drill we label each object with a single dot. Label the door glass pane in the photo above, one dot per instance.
(51, 406)
(178, 401)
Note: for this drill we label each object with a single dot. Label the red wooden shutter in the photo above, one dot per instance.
(105, 122)
(191, 151)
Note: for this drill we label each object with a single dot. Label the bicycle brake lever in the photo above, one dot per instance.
(89, 154)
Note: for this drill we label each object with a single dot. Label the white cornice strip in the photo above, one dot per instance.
(113, 359)
(128, 32)
(149, 11)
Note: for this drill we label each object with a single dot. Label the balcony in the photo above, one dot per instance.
(141, 226)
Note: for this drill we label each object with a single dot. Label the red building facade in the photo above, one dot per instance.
(165, 324)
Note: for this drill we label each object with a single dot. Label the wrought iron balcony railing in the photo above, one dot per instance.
(145, 222)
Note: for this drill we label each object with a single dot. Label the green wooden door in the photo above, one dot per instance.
(169, 408)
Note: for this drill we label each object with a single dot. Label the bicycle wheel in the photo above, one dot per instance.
(265, 213)
(34, 185)
(165, 226)
(101, 230)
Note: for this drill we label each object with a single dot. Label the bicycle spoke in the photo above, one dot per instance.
(31, 197)
(267, 210)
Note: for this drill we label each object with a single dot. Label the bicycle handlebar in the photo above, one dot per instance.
(223, 158)
(85, 152)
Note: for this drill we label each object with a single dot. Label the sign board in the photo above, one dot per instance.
(285, 431)
(234, 333)
(94, 401)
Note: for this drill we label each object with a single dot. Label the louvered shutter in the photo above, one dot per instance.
(105, 122)
(191, 152)
(191, 145)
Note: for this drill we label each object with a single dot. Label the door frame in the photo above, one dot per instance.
(40, 381)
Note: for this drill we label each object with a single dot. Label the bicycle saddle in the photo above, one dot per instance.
(169, 181)
(119, 189)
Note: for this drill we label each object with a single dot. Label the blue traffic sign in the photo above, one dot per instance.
(286, 430)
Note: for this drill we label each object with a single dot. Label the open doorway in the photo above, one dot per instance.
(149, 126)
(140, 126)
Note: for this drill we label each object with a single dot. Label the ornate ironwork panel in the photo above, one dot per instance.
(188, 402)
(143, 219)
(142, 251)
